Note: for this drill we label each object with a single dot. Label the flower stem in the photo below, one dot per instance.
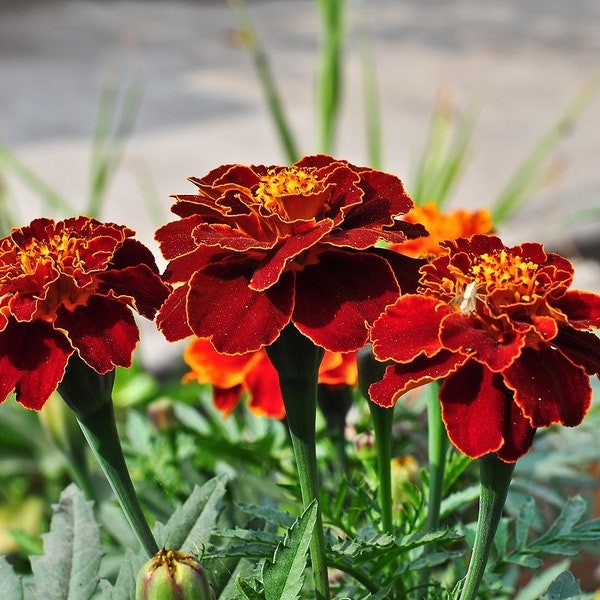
(88, 394)
(438, 446)
(297, 362)
(383, 419)
(101, 433)
(495, 477)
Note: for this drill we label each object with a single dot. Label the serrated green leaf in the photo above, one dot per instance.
(10, 582)
(270, 514)
(246, 588)
(570, 514)
(564, 587)
(283, 578)
(68, 569)
(124, 588)
(192, 524)
(524, 522)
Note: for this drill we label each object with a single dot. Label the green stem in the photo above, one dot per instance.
(382, 424)
(100, 431)
(438, 446)
(495, 477)
(297, 362)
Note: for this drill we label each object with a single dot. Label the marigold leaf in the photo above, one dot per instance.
(68, 569)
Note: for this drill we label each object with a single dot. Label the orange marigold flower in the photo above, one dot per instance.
(68, 286)
(259, 247)
(442, 227)
(513, 342)
(254, 375)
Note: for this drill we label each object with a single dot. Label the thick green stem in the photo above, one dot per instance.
(297, 362)
(88, 394)
(438, 446)
(101, 433)
(495, 477)
(383, 419)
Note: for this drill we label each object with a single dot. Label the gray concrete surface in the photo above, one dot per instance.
(520, 61)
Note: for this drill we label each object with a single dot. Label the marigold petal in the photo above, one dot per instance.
(33, 357)
(582, 348)
(273, 264)
(400, 378)
(263, 387)
(172, 317)
(221, 306)
(460, 333)
(408, 329)
(474, 409)
(581, 308)
(339, 296)
(226, 399)
(103, 331)
(549, 388)
(338, 369)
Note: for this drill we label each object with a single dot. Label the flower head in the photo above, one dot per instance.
(254, 375)
(69, 286)
(442, 227)
(507, 333)
(258, 247)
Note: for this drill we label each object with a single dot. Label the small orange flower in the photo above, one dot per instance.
(253, 374)
(66, 287)
(442, 227)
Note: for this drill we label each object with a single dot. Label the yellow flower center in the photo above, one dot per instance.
(61, 249)
(276, 185)
(507, 272)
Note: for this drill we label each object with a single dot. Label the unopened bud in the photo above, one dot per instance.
(172, 575)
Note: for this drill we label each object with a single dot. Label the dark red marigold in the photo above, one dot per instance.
(258, 247)
(68, 286)
(513, 342)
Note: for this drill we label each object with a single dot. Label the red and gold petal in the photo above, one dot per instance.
(401, 378)
(175, 239)
(581, 308)
(221, 306)
(462, 333)
(273, 264)
(229, 238)
(549, 388)
(517, 433)
(221, 370)
(104, 332)
(172, 317)
(137, 285)
(227, 399)
(475, 407)
(338, 369)
(582, 348)
(264, 391)
(33, 358)
(340, 296)
(408, 329)
(132, 253)
(476, 245)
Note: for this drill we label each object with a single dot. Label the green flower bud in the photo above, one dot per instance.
(172, 575)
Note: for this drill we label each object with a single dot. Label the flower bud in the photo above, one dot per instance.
(172, 575)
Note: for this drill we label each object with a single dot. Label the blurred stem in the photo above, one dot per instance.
(495, 477)
(267, 81)
(383, 419)
(438, 446)
(100, 431)
(329, 80)
(297, 361)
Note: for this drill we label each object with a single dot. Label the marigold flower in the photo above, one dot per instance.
(442, 227)
(68, 286)
(258, 247)
(254, 375)
(511, 339)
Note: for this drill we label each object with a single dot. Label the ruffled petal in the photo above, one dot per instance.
(103, 331)
(221, 306)
(549, 388)
(33, 358)
(337, 298)
(172, 318)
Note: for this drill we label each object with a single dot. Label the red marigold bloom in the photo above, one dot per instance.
(442, 227)
(67, 286)
(253, 374)
(258, 247)
(511, 339)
